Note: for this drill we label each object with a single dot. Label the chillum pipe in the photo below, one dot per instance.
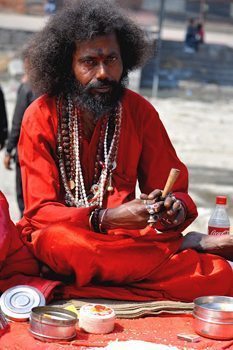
(172, 177)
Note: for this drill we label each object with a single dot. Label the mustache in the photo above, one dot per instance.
(101, 83)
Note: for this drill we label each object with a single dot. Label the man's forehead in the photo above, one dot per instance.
(102, 44)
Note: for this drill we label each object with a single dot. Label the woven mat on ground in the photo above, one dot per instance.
(129, 309)
(161, 329)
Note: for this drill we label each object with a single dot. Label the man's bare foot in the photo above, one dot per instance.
(203, 243)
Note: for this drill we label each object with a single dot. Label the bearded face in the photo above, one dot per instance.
(97, 74)
(99, 97)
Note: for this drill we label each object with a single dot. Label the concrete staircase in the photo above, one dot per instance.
(212, 64)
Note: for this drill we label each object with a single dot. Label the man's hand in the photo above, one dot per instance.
(169, 210)
(132, 215)
(7, 161)
(135, 214)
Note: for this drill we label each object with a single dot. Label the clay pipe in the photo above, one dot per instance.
(172, 177)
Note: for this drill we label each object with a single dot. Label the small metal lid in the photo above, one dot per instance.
(17, 302)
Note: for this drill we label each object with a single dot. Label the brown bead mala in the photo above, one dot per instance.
(69, 139)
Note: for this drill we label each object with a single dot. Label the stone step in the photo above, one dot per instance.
(213, 52)
(212, 64)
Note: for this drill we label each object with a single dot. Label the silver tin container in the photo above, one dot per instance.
(50, 323)
(17, 302)
(213, 317)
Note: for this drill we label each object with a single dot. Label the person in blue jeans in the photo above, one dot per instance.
(190, 37)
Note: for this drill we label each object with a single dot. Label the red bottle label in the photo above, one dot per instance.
(218, 231)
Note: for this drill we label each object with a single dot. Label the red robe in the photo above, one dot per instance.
(124, 264)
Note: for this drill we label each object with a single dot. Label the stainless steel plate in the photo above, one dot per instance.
(17, 302)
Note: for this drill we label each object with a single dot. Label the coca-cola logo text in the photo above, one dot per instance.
(218, 231)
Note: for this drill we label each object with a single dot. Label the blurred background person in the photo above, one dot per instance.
(190, 37)
(199, 34)
(3, 120)
(24, 98)
(50, 7)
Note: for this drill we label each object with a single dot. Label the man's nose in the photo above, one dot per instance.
(101, 72)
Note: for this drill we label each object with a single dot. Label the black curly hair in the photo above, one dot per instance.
(51, 50)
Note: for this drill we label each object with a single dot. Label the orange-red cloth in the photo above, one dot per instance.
(17, 264)
(124, 264)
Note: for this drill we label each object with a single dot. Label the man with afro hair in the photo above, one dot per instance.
(84, 145)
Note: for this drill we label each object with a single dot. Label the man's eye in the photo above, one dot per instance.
(89, 62)
(111, 59)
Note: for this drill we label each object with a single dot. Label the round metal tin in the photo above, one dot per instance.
(17, 302)
(213, 317)
(51, 323)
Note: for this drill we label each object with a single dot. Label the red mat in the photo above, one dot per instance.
(160, 329)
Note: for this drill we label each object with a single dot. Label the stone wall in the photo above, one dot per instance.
(13, 40)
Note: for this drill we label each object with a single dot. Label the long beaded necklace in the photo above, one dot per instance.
(69, 140)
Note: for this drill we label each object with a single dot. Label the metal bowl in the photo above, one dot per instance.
(213, 317)
(52, 323)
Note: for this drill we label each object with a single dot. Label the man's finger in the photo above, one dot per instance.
(155, 194)
(143, 196)
(179, 217)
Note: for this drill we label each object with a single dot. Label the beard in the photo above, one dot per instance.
(98, 103)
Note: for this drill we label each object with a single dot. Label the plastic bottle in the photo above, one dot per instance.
(219, 223)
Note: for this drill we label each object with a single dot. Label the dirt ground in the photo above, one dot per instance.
(199, 121)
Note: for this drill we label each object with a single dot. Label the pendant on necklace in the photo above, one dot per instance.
(71, 184)
(94, 192)
(113, 165)
(110, 187)
(95, 188)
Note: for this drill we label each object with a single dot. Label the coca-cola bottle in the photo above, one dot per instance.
(219, 223)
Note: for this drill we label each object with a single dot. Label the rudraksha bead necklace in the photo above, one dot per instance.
(69, 140)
